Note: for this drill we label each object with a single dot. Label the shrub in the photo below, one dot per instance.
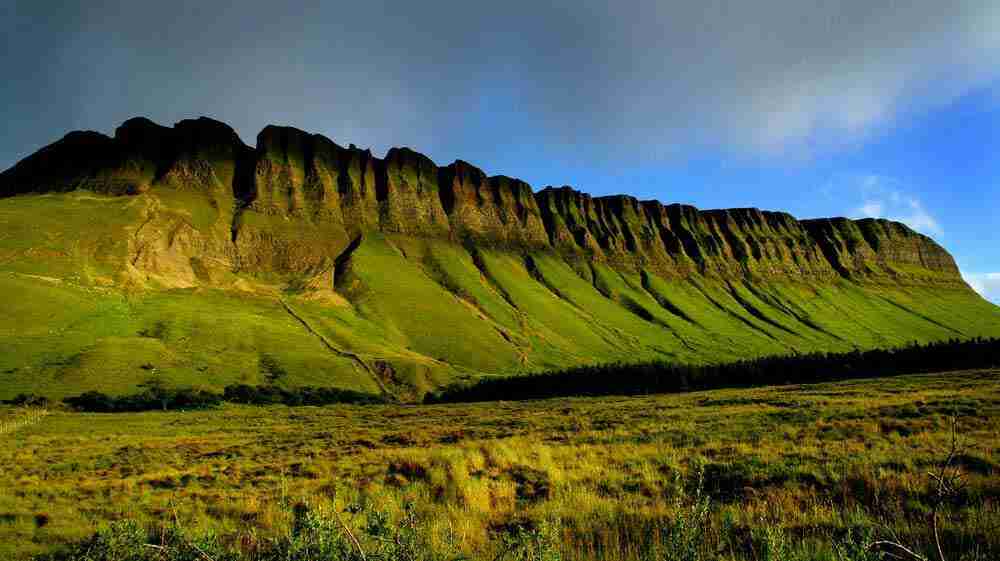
(305, 395)
(683, 536)
(156, 396)
(28, 400)
(153, 398)
(314, 535)
(532, 543)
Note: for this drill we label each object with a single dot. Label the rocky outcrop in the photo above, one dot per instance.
(199, 169)
(197, 153)
(880, 247)
(491, 210)
(678, 240)
(409, 196)
(298, 200)
(80, 160)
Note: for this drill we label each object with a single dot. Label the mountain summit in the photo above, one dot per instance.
(186, 252)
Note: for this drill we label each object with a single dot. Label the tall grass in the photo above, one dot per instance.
(21, 417)
(364, 530)
(807, 472)
(313, 535)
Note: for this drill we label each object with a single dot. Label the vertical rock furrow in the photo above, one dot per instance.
(411, 201)
(298, 198)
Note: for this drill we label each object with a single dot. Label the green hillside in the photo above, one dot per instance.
(417, 312)
(201, 261)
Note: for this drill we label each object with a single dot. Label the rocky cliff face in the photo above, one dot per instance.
(863, 247)
(297, 200)
(677, 240)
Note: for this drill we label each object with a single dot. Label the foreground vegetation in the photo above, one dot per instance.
(791, 472)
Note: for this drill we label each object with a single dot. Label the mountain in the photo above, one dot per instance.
(181, 252)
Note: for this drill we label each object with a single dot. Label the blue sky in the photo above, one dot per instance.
(852, 108)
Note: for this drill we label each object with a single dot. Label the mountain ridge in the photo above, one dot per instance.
(183, 253)
(292, 173)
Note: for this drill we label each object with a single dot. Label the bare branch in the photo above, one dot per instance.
(347, 529)
(877, 545)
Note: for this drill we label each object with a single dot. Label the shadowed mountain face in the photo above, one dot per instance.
(394, 274)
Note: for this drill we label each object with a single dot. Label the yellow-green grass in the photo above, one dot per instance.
(61, 340)
(416, 312)
(562, 329)
(64, 338)
(75, 236)
(617, 324)
(811, 460)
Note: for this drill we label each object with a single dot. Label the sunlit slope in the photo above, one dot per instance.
(59, 339)
(80, 236)
(392, 313)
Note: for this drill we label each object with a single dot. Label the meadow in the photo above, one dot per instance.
(783, 472)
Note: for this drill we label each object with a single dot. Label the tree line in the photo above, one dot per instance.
(593, 380)
(665, 377)
(155, 395)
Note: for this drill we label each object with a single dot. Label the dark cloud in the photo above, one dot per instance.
(566, 79)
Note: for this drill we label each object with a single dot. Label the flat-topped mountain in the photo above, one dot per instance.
(183, 251)
(338, 194)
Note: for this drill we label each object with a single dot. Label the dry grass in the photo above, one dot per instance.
(20, 417)
(813, 462)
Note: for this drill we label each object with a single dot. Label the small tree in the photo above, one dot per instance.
(157, 390)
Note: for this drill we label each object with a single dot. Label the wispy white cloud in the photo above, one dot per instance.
(871, 208)
(917, 217)
(884, 197)
(986, 284)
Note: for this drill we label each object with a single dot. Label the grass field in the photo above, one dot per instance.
(788, 472)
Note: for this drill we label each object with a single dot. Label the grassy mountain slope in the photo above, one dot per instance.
(416, 312)
(184, 254)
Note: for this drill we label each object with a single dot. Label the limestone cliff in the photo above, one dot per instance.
(297, 200)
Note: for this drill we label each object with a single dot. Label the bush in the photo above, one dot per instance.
(28, 400)
(156, 396)
(152, 399)
(682, 538)
(306, 395)
(538, 543)
(314, 535)
(91, 401)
